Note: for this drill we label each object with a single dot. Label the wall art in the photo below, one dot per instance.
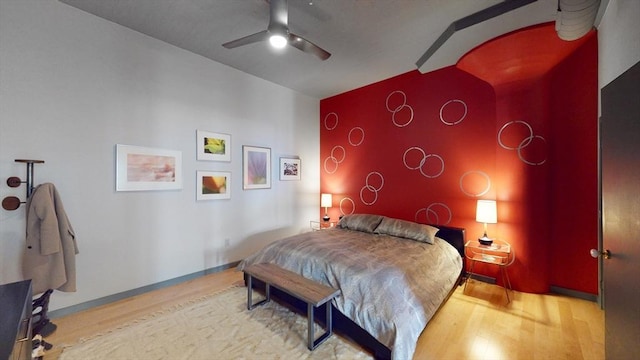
(213, 185)
(256, 167)
(213, 146)
(289, 168)
(141, 168)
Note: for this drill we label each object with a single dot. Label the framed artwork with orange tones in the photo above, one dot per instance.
(213, 185)
(142, 168)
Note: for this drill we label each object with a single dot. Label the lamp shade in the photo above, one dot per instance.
(326, 200)
(486, 212)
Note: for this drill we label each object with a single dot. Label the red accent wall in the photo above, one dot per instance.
(574, 187)
(425, 147)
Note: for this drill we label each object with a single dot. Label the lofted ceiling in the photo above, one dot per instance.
(370, 40)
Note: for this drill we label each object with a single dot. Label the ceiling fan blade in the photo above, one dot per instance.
(307, 46)
(249, 39)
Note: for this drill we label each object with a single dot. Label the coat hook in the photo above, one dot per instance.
(14, 181)
(12, 202)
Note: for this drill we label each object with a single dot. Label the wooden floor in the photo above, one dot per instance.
(478, 324)
(481, 324)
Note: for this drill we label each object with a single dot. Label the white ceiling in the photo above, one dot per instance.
(370, 40)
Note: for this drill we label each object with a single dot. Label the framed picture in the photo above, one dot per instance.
(256, 167)
(142, 168)
(289, 168)
(213, 185)
(213, 146)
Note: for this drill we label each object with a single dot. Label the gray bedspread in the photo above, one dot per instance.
(391, 287)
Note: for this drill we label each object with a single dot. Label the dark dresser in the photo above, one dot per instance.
(15, 320)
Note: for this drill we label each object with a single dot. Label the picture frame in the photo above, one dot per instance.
(213, 146)
(143, 168)
(256, 167)
(213, 185)
(290, 168)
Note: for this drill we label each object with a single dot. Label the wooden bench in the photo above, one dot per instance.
(311, 292)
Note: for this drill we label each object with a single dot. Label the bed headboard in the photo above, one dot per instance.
(453, 235)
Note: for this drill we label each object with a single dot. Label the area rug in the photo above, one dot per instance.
(217, 326)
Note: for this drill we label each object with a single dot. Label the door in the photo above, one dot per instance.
(620, 156)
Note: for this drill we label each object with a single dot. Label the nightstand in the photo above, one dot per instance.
(321, 225)
(499, 253)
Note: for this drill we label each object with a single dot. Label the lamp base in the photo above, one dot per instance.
(485, 240)
(326, 218)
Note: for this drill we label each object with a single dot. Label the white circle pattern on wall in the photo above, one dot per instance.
(431, 214)
(335, 124)
(523, 144)
(470, 193)
(423, 161)
(334, 160)
(371, 188)
(403, 106)
(353, 205)
(528, 141)
(451, 123)
(353, 143)
(510, 123)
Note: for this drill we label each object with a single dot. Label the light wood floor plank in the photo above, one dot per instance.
(478, 324)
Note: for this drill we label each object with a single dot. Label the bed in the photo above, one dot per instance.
(393, 274)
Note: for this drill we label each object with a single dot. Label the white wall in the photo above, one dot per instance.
(72, 86)
(618, 39)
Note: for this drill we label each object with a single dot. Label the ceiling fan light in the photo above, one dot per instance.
(278, 41)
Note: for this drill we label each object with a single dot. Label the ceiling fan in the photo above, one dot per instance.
(278, 33)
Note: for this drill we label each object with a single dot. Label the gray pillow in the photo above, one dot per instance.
(407, 229)
(360, 222)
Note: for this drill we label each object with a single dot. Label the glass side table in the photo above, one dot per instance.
(499, 253)
(321, 225)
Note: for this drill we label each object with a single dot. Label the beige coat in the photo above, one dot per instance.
(51, 244)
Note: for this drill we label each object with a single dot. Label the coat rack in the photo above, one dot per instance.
(12, 202)
(41, 323)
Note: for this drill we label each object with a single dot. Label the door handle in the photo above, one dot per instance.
(605, 254)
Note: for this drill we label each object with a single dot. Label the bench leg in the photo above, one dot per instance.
(310, 327)
(267, 291)
(311, 343)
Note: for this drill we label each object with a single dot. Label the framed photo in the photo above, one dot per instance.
(213, 146)
(142, 168)
(213, 185)
(289, 168)
(256, 167)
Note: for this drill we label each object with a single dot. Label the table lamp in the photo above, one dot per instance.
(486, 213)
(326, 202)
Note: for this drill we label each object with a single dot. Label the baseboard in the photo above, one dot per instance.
(133, 292)
(487, 279)
(573, 293)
